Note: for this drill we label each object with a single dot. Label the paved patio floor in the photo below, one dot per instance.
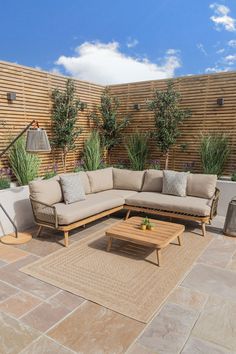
(198, 317)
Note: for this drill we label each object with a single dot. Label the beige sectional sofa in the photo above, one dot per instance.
(110, 190)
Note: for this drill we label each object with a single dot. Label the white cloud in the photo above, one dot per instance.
(230, 59)
(216, 69)
(104, 63)
(200, 46)
(220, 51)
(221, 18)
(131, 43)
(232, 43)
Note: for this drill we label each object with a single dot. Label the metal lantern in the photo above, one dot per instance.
(37, 141)
(230, 221)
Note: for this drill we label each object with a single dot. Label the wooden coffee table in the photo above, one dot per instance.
(162, 235)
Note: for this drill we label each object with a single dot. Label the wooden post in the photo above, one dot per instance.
(127, 214)
(66, 241)
(204, 229)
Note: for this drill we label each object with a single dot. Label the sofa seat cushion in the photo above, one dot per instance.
(189, 205)
(93, 204)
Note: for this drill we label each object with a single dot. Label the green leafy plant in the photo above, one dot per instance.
(5, 178)
(145, 221)
(233, 177)
(108, 122)
(168, 117)
(92, 154)
(50, 171)
(64, 119)
(4, 183)
(214, 152)
(137, 148)
(154, 164)
(24, 166)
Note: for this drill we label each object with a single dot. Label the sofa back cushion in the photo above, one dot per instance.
(127, 179)
(153, 181)
(201, 185)
(100, 180)
(46, 191)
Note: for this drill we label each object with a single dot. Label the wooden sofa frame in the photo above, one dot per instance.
(53, 218)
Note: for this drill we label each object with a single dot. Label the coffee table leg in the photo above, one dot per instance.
(109, 244)
(180, 240)
(158, 257)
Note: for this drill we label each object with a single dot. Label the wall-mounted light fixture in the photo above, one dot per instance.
(220, 101)
(11, 96)
(137, 106)
(83, 106)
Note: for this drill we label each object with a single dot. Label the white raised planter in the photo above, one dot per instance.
(16, 202)
(227, 192)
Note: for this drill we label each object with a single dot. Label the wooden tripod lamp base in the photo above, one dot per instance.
(11, 239)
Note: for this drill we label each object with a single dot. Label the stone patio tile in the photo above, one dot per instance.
(47, 243)
(64, 298)
(219, 252)
(169, 330)
(232, 263)
(93, 329)
(191, 299)
(13, 276)
(11, 254)
(15, 335)
(45, 345)
(19, 304)
(6, 291)
(212, 280)
(46, 315)
(197, 346)
(217, 323)
(137, 348)
(2, 264)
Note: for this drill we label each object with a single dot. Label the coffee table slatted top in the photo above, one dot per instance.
(162, 234)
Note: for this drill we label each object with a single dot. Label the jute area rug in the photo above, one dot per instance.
(125, 280)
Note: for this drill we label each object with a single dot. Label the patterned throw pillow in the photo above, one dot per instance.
(175, 183)
(72, 188)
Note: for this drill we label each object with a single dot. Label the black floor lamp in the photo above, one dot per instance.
(36, 142)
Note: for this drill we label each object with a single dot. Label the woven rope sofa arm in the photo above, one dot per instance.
(44, 213)
(214, 204)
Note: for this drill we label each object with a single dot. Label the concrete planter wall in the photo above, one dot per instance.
(227, 192)
(16, 202)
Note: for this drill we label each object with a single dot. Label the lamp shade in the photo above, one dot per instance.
(37, 141)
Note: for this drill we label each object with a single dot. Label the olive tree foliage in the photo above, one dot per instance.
(109, 122)
(168, 117)
(65, 111)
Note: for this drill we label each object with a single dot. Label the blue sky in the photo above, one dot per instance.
(111, 42)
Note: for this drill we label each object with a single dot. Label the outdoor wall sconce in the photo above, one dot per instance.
(83, 106)
(11, 96)
(220, 101)
(137, 106)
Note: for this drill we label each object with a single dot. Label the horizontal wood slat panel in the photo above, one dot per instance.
(33, 101)
(198, 93)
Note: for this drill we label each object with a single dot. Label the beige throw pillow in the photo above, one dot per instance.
(153, 181)
(175, 183)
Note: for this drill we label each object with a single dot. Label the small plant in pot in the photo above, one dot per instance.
(150, 226)
(145, 223)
